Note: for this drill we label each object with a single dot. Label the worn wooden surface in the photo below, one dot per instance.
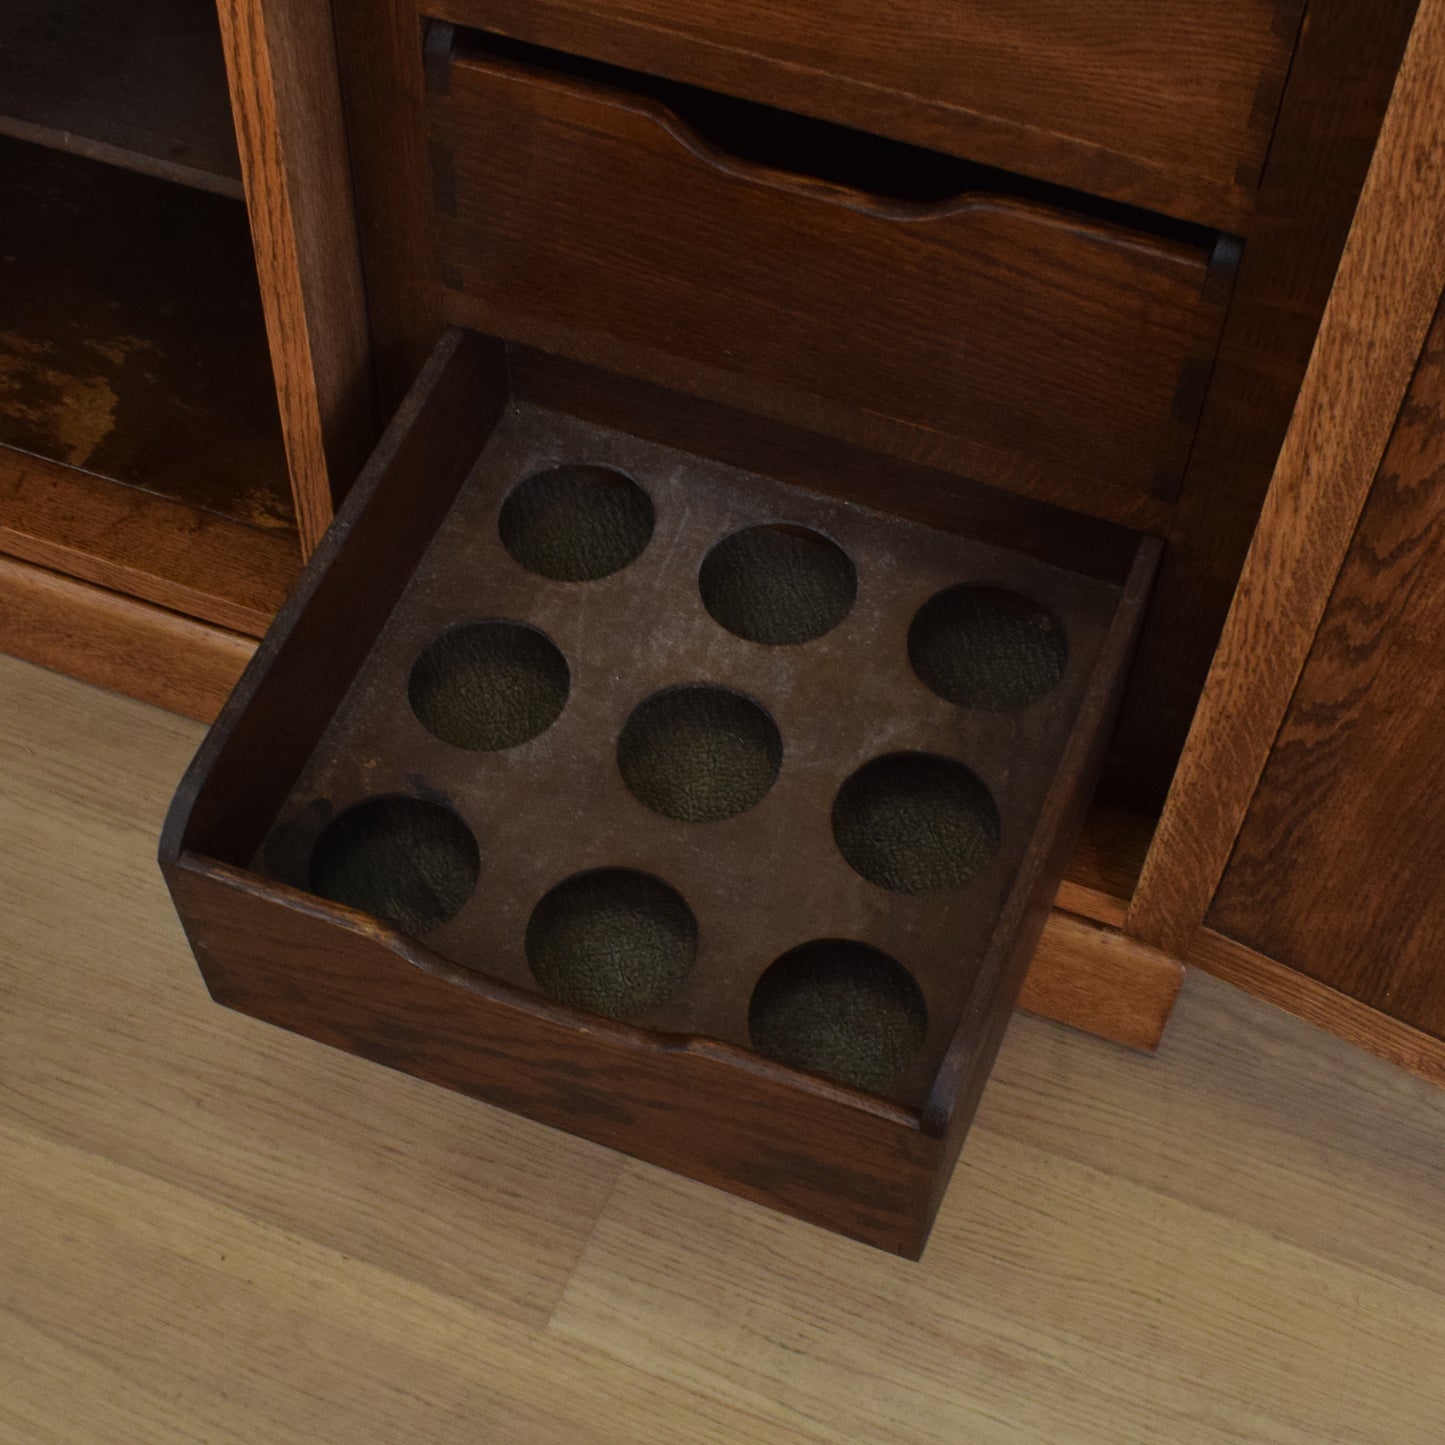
(281, 58)
(1135, 99)
(558, 804)
(758, 443)
(144, 545)
(1339, 83)
(141, 86)
(1334, 97)
(1337, 871)
(117, 642)
(1389, 285)
(684, 1090)
(379, 59)
(217, 1231)
(1094, 977)
(1015, 343)
(132, 342)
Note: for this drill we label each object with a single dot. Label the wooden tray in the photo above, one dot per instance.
(669, 800)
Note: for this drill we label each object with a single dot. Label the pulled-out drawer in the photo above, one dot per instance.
(1013, 340)
(1157, 104)
(605, 767)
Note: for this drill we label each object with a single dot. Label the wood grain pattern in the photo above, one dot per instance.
(218, 1231)
(1106, 865)
(115, 642)
(1390, 281)
(1102, 981)
(828, 1154)
(1340, 81)
(139, 86)
(281, 58)
(591, 222)
(379, 55)
(143, 545)
(1360, 1024)
(1135, 99)
(1338, 85)
(1336, 871)
(133, 343)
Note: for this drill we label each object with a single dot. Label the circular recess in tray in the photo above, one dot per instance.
(983, 647)
(486, 686)
(700, 754)
(915, 823)
(407, 861)
(840, 1009)
(778, 584)
(613, 941)
(576, 523)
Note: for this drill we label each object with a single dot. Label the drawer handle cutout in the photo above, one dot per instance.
(781, 147)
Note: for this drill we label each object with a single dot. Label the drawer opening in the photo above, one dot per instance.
(801, 148)
(669, 795)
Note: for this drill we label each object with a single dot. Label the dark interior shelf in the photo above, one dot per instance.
(139, 85)
(133, 344)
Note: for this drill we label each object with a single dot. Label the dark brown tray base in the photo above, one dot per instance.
(323, 723)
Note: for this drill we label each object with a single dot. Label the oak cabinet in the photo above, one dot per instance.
(1338, 873)
(1083, 292)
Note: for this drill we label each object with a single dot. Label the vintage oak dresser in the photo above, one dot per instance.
(853, 533)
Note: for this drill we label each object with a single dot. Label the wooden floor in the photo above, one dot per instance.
(212, 1231)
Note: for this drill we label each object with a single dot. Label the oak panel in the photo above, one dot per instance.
(1151, 103)
(147, 546)
(1337, 869)
(1389, 285)
(1020, 344)
(116, 642)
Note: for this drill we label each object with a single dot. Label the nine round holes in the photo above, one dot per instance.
(616, 941)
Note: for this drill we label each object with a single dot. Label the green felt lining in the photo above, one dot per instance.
(407, 861)
(778, 584)
(700, 754)
(840, 1009)
(986, 648)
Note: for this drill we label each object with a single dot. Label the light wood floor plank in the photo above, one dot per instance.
(110, 1042)
(244, 1331)
(211, 1230)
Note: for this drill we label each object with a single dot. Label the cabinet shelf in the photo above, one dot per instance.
(139, 86)
(140, 442)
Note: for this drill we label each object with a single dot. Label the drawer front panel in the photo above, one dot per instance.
(1029, 347)
(1149, 102)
